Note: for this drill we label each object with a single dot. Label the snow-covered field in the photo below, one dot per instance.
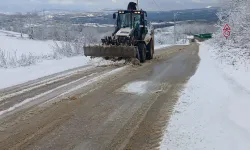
(164, 37)
(213, 110)
(11, 42)
(17, 51)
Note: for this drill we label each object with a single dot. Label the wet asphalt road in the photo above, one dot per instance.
(102, 115)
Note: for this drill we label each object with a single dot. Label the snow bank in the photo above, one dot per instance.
(212, 112)
(102, 62)
(14, 76)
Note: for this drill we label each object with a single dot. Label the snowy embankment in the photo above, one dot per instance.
(213, 110)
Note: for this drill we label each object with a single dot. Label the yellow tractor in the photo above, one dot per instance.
(131, 38)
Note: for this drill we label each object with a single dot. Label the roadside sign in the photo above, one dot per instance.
(226, 31)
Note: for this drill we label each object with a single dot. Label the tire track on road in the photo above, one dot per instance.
(15, 100)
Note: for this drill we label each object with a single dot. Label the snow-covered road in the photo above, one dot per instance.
(108, 107)
(212, 112)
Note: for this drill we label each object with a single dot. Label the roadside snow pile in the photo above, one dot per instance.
(98, 62)
(13, 76)
(212, 112)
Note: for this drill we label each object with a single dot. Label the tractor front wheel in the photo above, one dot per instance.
(142, 52)
(150, 53)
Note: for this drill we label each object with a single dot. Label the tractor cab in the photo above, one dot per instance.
(131, 22)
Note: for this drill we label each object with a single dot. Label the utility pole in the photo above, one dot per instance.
(175, 15)
(44, 17)
(175, 28)
(138, 4)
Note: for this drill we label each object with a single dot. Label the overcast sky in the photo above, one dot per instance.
(97, 5)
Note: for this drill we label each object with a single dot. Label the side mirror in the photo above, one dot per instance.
(145, 23)
(114, 16)
(146, 14)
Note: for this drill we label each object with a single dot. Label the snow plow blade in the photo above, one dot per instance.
(111, 51)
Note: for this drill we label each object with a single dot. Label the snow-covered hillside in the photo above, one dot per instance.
(213, 110)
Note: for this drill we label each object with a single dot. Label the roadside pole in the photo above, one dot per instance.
(175, 14)
(174, 28)
(138, 4)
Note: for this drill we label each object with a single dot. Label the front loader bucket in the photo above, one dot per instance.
(111, 51)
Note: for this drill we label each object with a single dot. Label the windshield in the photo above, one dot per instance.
(129, 20)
